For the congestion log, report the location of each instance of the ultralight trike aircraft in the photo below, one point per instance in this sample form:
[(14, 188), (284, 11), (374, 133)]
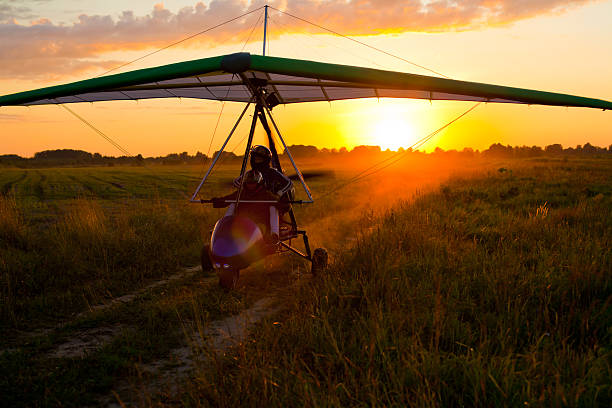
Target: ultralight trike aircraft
[(265, 82)]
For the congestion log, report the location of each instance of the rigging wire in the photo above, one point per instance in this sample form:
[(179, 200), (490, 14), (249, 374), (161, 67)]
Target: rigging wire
[(119, 147), (238, 144), (360, 42), (226, 95), (312, 37), (215, 130), (219, 117), (115, 144), (111, 141), (233, 150), (180, 41), (98, 131), (425, 139), (397, 156), (354, 179), (251, 33), (216, 125)]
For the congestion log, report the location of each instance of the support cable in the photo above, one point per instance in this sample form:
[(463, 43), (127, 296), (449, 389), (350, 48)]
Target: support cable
[(98, 131), (111, 141), (397, 156), (226, 95), (180, 41), (239, 143), (295, 167), (330, 44), (210, 168), (115, 144), (215, 129), (245, 159), (219, 117), (251, 33), (360, 42)]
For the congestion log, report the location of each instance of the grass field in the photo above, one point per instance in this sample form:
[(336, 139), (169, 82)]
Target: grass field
[(493, 288), (493, 291)]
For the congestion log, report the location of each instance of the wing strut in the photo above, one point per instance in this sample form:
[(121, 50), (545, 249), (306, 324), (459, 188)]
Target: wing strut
[(264, 122), (257, 114), (247, 152), (261, 109), (295, 167), (259, 92), (193, 197)]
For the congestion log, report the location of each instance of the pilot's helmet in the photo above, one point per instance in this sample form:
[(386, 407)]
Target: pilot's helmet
[(260, 157), (252, 179)]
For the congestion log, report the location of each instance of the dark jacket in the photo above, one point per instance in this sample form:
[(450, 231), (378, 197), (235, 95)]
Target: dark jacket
[(275, 182)]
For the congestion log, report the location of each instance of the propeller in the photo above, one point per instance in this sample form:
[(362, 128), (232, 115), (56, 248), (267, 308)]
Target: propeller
[(313, 174)]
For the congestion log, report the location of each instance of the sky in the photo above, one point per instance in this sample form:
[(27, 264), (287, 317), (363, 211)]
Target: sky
[(552, 45)]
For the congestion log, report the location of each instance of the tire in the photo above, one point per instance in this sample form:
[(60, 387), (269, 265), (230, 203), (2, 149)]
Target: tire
[(207, 266), (319, 261), (228, 278)]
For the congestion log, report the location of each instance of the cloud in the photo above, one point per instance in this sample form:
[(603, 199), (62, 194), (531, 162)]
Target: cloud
[(43, 46), (8, 13)]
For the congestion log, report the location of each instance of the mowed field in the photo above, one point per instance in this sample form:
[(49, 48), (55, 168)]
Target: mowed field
[(103, 183), (463, 282)]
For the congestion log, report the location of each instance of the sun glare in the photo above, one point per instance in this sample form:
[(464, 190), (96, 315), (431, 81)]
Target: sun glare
[(392, 133)]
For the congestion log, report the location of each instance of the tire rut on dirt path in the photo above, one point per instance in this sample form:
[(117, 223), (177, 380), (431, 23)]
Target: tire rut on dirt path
[(167, 374), (131, 296), (202, 343), (217, 337), (95, 338), (7, 187), (86, 341)]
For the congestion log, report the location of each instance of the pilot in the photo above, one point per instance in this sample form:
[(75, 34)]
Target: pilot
[(265, 215), (274, 181)]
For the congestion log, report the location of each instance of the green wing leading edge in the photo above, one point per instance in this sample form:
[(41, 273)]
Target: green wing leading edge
[(284, 81)]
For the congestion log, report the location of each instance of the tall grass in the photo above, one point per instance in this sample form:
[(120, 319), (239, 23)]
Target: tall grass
[(12, 231), (88, 253), (11, 220), (492, 290), (60, 255), (495, 291)]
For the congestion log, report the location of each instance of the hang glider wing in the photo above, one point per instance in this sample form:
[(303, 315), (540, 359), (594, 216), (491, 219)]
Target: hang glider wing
[(231, 78)]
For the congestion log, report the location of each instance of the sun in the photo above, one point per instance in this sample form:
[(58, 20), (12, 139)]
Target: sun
[(392, 133)]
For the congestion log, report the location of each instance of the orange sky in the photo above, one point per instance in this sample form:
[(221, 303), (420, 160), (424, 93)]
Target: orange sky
[(549, 49)]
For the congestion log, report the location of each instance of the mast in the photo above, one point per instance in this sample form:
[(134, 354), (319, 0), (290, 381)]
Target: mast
[(265, 28)]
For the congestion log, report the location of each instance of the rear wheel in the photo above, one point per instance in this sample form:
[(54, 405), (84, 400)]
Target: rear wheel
[(228, 278), (319, 261), (205, 259)]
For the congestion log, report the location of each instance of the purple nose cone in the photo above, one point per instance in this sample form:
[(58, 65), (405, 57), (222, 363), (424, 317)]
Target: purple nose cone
[(234, 237)]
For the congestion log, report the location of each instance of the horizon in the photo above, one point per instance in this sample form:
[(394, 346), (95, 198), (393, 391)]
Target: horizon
[(325, 150), (554, 47)]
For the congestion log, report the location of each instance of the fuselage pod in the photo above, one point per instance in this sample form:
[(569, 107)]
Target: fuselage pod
[(236, 242)]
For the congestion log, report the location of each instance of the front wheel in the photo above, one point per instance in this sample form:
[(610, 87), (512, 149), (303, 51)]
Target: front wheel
[(228, 278), (319, 261), (205, 259)]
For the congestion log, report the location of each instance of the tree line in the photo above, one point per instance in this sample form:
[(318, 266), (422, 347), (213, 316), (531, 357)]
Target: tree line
[(71, 157)]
